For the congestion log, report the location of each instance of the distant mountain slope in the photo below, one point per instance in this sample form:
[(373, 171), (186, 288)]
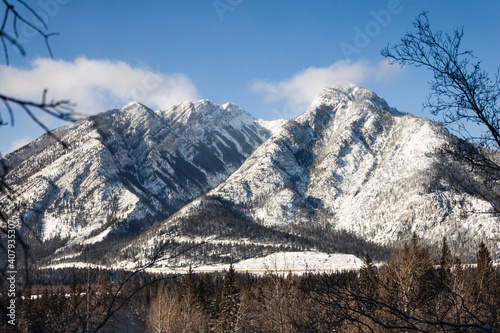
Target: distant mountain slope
[(349, 164), (126, 168)]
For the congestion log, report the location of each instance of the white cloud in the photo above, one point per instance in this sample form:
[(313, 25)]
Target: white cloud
[(16, 144), (298, 91), (96, 85)]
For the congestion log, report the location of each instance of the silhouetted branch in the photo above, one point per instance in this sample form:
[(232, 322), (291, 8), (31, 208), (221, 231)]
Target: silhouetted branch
[(15, 16), (465, 96), (113, 307), (9, 33), (460, 89)]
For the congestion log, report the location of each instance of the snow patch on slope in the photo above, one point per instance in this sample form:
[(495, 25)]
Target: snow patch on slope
[(274, 126)]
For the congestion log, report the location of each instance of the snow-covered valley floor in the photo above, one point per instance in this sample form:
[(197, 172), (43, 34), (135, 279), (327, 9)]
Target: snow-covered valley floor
[(282, 262)]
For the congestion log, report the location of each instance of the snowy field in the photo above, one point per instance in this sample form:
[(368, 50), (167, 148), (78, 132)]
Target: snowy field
[(284, 262)]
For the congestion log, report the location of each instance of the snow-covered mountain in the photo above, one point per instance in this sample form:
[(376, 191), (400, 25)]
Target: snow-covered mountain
[(349, 175), (361, 166), (350, 164), (126, 168)]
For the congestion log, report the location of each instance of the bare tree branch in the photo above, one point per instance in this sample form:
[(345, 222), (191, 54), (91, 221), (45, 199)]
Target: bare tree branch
[(113, 307), (465, 96), (15, 13), (460, 89)]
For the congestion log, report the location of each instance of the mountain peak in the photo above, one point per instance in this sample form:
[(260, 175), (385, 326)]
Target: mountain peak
[(349, 93), (350, 164), (344, 101), (206, 112), (230, 107), (350, 90), (133, 105), (135, 108)]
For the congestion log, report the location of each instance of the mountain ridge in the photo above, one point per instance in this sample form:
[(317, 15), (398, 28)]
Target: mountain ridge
[(126, 166), (351, 174), (351, 165)]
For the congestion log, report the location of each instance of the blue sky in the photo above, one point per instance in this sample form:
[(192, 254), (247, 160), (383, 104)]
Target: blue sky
[(269, 57)]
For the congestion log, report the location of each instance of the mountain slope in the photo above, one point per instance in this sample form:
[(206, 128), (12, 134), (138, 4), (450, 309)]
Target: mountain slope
[(349, 166), (124, 169), (361, 166)]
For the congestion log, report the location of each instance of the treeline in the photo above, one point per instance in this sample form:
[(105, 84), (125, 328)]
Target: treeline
[(225, 225), (417, 289), (217, 219)]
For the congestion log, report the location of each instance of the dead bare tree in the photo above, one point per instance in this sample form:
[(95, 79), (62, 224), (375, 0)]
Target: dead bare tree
[(121, 296), (410, 296), (466, 97)]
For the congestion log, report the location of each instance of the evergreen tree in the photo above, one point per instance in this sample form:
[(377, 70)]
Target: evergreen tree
[(445, 264), (27, 311), (368, 278), (229, 302), (368, 283), (189, 285), (42, 312), (484, 270), (106, 288), (205, 291)]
